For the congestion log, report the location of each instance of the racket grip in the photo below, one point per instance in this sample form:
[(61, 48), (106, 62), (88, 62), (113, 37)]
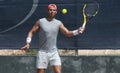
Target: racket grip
[(83, 25)]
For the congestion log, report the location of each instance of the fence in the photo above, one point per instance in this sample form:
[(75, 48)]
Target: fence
[(17, 18)]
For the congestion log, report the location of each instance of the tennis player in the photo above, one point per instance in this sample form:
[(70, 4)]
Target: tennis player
[(48, 30)]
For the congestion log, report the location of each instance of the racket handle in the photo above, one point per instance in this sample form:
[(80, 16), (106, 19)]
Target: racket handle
[(83, 25)]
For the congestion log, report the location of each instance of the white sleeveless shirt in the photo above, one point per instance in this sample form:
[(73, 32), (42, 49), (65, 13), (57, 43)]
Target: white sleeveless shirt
[(48, 34)]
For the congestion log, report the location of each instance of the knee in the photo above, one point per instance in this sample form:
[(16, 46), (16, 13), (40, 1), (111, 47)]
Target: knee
[(58, 71), (40, 70)]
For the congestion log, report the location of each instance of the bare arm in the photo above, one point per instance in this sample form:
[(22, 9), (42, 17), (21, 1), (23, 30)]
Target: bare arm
[(34, 29), (30, 35), (71, 33)]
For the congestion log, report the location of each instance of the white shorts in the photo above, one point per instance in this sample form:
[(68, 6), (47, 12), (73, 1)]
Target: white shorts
[(44, 58)]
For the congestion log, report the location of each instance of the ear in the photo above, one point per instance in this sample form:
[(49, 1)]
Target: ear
[(56, 12)]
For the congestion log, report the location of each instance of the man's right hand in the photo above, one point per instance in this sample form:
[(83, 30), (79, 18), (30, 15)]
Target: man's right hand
[(25, 47)]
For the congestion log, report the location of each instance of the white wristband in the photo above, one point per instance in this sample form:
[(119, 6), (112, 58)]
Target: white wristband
[(28, 40), (75, 32)]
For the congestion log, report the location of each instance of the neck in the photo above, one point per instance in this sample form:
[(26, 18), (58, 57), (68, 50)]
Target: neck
[(50, 18)]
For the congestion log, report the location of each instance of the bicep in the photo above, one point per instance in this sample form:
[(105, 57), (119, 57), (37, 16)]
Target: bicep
[(65, 31), (36, 27)]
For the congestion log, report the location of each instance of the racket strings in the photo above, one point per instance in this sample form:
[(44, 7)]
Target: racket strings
[(91, 9)]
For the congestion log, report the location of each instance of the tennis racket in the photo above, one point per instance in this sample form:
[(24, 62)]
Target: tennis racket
[(90, 9)]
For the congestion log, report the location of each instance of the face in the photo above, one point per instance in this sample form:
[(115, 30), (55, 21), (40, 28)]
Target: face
[(52, 12)]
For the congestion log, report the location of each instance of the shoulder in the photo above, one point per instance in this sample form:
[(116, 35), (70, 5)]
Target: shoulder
[(39, 21), (42, 19), (58, 21)]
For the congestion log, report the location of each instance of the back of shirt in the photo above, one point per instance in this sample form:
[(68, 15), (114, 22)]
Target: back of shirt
[(48, 34)]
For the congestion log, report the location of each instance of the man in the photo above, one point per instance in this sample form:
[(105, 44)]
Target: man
[(48, 31)]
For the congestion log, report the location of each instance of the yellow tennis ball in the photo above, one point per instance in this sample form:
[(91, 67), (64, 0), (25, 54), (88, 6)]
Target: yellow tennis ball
[(64, 11)]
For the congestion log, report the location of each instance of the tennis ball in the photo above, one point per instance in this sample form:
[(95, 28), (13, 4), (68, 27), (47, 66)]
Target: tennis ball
[(64, 11)]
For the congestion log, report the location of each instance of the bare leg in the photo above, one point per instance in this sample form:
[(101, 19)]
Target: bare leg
[(40, 70), (57, 69)]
